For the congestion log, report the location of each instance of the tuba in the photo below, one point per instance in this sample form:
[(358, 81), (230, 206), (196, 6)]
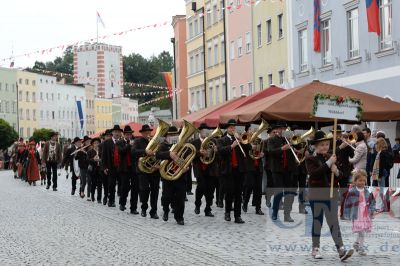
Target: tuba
[(258, 142), (186, 152), (149, 164), (209, 146)]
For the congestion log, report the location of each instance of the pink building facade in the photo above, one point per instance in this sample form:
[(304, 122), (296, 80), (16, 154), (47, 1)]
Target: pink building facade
[(180, 81), (239, 51)]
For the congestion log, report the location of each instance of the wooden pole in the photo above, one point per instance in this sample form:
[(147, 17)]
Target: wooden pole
[(333, 152)]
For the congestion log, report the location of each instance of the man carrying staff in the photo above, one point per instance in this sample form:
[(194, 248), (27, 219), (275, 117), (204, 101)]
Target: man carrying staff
[(233, 180), (282, 163), (205, 182), (149, 184), (51, 159), (111, 161)]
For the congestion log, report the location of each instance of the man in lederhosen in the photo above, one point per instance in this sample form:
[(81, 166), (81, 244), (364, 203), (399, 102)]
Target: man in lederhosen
[(149, 184), (173, 192), (70, 157), (283, 164), (232, 179), (51, 159), (205, 182), (111, 161)]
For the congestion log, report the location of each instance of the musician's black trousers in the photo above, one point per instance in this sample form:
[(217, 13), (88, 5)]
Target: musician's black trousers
[(253, 183), (124, 187), (134, 187), (284, 186), (233, 192), (96, 183), (205, 187), (149, 185), (174, 193), (112, 180)]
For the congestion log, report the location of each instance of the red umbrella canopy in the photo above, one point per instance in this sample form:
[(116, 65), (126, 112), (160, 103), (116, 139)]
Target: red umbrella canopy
[(297, 104), (212, 119)]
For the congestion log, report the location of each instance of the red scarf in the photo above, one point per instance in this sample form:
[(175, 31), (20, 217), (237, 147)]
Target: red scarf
[(285, 160), (234, 159), (128, 159), (116, 156)]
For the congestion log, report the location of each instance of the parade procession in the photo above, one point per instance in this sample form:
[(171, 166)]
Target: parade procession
[(254, 143)]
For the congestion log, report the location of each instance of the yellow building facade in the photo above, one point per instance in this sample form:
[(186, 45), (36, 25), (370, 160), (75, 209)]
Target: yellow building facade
[(102, 114), (27, 103), (270, 42)]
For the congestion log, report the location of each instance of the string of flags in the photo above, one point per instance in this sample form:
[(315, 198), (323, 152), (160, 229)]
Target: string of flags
[(103, 37), (158, 99)]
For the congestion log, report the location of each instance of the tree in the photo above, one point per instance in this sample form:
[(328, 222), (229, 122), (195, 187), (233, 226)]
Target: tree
[(42, 134), (7, 134)]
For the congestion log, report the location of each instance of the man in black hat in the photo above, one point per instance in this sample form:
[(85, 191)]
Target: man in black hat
[(269, 192), (173, 192), (94, 169), (112, 162), (70, 157), (283, 165), (126, 173), (104, 178), (232, 179), (51, 159), (149, 184), (83, 162), (205, 182)]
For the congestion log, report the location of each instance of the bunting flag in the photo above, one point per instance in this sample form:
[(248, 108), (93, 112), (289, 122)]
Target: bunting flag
[(100, 20), (317, 26), (168, 80), (373, 16)]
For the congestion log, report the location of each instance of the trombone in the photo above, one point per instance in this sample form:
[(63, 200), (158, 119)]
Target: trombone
[(351, 140), (296, 140), (240, 146)]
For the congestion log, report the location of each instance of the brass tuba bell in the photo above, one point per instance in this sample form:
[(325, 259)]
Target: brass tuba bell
[(186, 152), (208, 145), (258, 142)]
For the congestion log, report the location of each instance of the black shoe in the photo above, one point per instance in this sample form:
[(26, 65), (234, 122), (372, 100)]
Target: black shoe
[(172, 210), (268, 203), (135, 212), (288, 219), (186, 199), (180, 222), (209, 214), (227, 217), (154, 216), (197, 210), (190, 193), (67, 176), (165, 216), (259, 212), (54, 189), (253, 204), (144, 214), (111, 204), (122, 207), (73, 192), (99, 201), (244, 207), (239, 220), (274, 217), (47, 187), (345, 254), (104, 201)]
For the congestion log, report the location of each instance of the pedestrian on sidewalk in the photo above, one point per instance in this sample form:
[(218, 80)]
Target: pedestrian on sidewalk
[(360, 207)]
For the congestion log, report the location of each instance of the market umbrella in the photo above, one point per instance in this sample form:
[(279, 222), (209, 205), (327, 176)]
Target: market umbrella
[(212, 118), (297, 104)]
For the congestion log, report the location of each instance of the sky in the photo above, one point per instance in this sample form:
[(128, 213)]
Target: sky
[(27, 26)]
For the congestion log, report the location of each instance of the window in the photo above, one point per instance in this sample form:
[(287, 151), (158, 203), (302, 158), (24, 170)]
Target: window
[(240, 44), (47, 96), (269, 31), (34, 97), (222, 48), (352, 34), (190, 30), (41, 96), (261, 82), (280, 26), (270, 79), (386, 23), (202, 60), (250, 85), (13, 105), (28, 132), (223, 89), (216, 52), (87, 74), (196, 27), (209, 56), (326, 42), (208, 11), (232, 50), (281, 77), (210, 93), (233, 92), (241, 90), (53, 115), (198, 103), (27, 114), (21, 113), (20, 96), (248, 42), (41, 114), (197, 63), (34, 114), (191, 65), (21, 131), (303, 54), (6, 89), (217, 92), (259, 36), (47, 114), (20, 81), (33, 82), (7, 107), (215, 12), (26, 81), (13, 87), (52, 96), (201, 25), (27, 96), (192, 99)]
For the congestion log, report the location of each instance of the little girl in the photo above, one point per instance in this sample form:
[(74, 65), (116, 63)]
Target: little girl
[(359, 207)]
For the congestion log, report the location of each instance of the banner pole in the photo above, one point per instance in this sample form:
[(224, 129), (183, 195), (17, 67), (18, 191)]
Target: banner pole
[(333, 152)]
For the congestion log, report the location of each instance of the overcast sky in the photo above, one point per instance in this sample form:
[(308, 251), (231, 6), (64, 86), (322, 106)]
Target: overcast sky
[(28, 26)]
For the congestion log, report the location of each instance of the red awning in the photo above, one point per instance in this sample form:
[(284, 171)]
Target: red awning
[(212, 118)]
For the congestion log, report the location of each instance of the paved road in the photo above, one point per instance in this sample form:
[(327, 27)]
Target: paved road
[(42, 227)]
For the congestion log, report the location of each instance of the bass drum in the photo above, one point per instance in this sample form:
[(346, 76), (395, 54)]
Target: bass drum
[(77, 170)]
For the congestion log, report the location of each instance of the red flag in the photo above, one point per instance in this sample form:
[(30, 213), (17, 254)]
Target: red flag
[(373, 16), (168, 79), (317, 26)]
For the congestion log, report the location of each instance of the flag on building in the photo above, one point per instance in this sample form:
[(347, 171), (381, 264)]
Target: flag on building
[(317, 26), (373, 16), (100, 20), (168, 79), (12, 64)]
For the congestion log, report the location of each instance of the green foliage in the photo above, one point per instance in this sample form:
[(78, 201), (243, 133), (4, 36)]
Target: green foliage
[(42, 134), (7, 134)]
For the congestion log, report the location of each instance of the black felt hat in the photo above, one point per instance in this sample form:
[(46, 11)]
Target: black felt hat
[(279, 124), (231, 122), (203, 126), (117, 127), (145, 128), (320, 136), (128, 129), (95, 139)]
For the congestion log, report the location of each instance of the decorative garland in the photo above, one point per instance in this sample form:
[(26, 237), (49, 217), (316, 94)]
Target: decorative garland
[(339, 100)]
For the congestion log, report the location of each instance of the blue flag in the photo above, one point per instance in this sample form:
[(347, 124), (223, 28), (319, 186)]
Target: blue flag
[(80, 113)]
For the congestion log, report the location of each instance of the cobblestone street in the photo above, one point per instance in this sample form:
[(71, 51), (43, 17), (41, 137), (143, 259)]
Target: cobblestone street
[(42, 227)]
